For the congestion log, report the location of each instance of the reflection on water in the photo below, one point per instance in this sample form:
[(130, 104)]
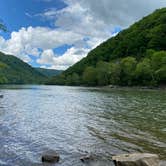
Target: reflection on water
[(77, 120)]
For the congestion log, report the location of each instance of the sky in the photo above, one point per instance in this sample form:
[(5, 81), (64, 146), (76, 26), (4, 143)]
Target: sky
[(55, 34)]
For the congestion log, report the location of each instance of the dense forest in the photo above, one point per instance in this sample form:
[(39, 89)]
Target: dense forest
[(136, 56), (15, 71), (49, 72)]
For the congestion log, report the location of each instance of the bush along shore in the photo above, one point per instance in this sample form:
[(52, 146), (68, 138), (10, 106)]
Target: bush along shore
[(150, 71)]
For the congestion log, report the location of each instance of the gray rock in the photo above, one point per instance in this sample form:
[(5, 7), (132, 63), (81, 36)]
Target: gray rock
[(87, 158), (136, 159), (112, 86), (50, 158), (1, 96)]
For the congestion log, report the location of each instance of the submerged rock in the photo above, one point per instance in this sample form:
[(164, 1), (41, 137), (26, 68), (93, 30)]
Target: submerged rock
[(1, 96), (87, 158), (112, 86), (51, 158), (136, 159)]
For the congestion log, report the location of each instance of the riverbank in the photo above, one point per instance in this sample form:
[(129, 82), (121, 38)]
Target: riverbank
[(161, 87)]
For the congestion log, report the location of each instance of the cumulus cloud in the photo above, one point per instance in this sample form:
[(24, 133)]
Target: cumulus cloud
[(71, 56), (43, 38), (118, 12), (46, 57), (83, 24), (28, 41), (76, 18)]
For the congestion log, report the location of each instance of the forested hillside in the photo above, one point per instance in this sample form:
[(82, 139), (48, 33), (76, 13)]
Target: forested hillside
[(136, 56), (49, 72), (15, 71)]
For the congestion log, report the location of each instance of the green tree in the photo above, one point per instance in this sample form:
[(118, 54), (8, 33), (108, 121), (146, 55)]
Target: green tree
[(90, 76), (158, 37), (158, 62), (75, 79), (128, 66), (68, 80), (3, 80), (149, 53), (57, 80), (161, 75), (3, 65), (144, 72), (103, 73), (115, 72), (158, 59)]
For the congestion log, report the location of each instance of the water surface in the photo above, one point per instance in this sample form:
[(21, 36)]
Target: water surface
[(74, 121)]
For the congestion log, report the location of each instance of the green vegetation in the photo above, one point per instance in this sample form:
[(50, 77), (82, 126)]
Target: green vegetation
[(49, 72), (136, 56), (15, 71)]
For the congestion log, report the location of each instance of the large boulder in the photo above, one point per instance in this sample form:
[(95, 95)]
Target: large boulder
[(136, 159), (50, 158)]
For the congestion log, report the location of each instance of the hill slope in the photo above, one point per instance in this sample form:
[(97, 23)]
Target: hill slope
[(135, 56), (149, 33), (49, 72), (15, 71)]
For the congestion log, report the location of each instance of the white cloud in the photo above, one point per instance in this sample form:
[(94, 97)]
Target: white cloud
[(71, 56), (28, 14), (82, 24), (2, 42), (28, 41), (46, 57), (77, 19), (44, 38), (118, 12)]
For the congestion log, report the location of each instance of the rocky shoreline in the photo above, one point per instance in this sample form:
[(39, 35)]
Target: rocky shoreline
[(133, 159), (162, 87)]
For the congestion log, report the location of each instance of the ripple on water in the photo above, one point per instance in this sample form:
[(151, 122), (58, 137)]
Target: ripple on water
[(77, 120)]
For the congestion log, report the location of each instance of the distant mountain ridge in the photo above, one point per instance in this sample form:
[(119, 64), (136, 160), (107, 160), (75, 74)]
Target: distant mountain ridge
[(49, 72)]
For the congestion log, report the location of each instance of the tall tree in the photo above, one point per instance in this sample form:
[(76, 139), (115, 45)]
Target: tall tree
[(90, 76), (128, 66)]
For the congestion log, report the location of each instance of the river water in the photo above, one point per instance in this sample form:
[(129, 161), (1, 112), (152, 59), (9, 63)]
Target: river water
[(74, 121)]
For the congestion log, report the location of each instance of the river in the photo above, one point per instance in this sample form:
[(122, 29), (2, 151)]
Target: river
[(74, 121)]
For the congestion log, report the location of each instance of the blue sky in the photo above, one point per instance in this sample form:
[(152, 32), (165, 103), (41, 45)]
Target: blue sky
[(58, 33), (22, 12), (23, 15)]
